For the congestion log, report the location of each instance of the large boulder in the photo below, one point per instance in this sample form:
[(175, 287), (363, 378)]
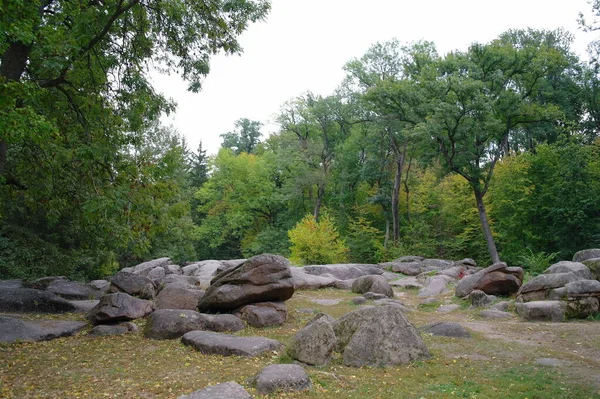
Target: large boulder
[(13, 329), (119, 307), (480, 299), (434, 286), (173, 323), (72, 289), (144, 268), (263, 314), (262, 278), (446, 329), (133, 284), (586, 254), (344, 271), (102, 330), (541, 286), (378, 337), (305, 281), (212, 343), (577, 268), (223, 323), (594, 266), (498, 279), (282, 378), (16, 283), (408, 268), (581, 297), (205, 271), (31, 300), (226, 390), (553, 311), (372, 283), (314, 343), (178, 296)]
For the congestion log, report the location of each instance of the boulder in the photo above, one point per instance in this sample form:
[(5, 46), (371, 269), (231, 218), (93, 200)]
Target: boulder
[(262, 278), (31, 300), (577, 268), (133, 284), (226, 390), (498, 279), (480, 299), (84, 306), (305, 281), (436, 264), (263, 314), (373, 296), (540, 287), (172, 269), (378, 336), (212, 343), (156, 274), (553, 311), (102, 286), (456, 272), (173, 323), (112, 329), (72, 289), (344, 271), (582, 308), (594, 266), (466, 262), (359, 300), (586, 254), (433, 286), (144, 268), (447, 308), (446, 329), (16, 283), (223, 323), (408, 268), (372, 283), (13, 329), (408, 283), (177, 296), (282, 378), (314, 343), (43, 282), (495, 314), (182, 280), (119, 307), (189, 270), (502, 306), (206, 271), (392, 302), (409, 258)]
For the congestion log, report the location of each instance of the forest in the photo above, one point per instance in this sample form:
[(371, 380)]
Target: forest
[(490, 152)]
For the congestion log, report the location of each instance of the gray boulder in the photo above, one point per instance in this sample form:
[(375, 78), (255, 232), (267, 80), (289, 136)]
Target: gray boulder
[(408, 268), (182, 280), (378, 336), (436, 264), (262, 278), (586, 254), (173, 323), (373, 296), (502, 306), (72, 290), (156, 274), (456, 272), (446, 329), (433, 286), (119, 307), (498, 279), (16, 283), (212, 343), (305, 281), (408, 283), (359, 300), (226, 390), (344, 271), (577, 268), (30, 300), (13, 329), (468, 262), (480, 299), (594, 266), (447, 308), (314, 343), (112, 329), (205, 271), (177, 296), (263, 314), (133, 284), (84, 306), (372, 283), (282, 378), (102, 286), (553, 311), (144, 268), (540, 287), (223, 323)]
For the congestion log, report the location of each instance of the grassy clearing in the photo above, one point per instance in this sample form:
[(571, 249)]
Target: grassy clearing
[(498, 362)]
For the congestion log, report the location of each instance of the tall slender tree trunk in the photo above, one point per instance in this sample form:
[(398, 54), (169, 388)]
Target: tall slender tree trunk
[(400, 157), (318, 202), (485, 225)]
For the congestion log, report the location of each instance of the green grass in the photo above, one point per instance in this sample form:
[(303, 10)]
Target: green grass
[(497, 366)]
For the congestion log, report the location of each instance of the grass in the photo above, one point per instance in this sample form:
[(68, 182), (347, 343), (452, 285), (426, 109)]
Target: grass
[(498, 362)]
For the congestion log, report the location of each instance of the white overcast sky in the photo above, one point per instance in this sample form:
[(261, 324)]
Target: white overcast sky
[(303, 45)]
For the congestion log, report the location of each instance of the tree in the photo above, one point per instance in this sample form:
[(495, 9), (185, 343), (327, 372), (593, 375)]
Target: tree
[(316, 242), (244, 138)]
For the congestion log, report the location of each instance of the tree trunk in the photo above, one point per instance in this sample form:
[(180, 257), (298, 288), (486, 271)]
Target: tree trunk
[(400, 157), (318, 202), (485, 225)]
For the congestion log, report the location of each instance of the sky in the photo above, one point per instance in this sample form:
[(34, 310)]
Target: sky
[(303, 45)]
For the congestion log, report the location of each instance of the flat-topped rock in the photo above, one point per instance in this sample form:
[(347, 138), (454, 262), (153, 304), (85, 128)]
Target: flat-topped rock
[(173, 323), (13, 329), (282, 378), (305, 281), (446, 329), (178, 296), (586, 254), (577, 268), (540, 287), (29, 300), (344, 271), (226, 390), (372, 283), (213, 343), (119, 307), (133, 284), (553, 311), (72, 290)]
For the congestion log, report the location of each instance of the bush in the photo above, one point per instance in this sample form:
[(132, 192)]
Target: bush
[(536, 262), (364, 241), (316, 242)]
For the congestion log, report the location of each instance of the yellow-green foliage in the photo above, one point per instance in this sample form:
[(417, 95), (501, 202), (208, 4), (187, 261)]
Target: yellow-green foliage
[(316, 242)]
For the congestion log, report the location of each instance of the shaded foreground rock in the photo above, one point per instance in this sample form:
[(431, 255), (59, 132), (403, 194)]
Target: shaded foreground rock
[(378, 337), (119, 307), (446, 329), (226, 390), (498, 279), (283, 378), (315, 342), (372, 283), (133, 284), (212, 343), (263, 314), (31, 300), (72, 290), (178, 296), (262, 278), (173, 323), (553, 311), (13, 329)]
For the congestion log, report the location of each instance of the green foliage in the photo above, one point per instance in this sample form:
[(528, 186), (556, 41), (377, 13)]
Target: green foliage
[(244, 138), (364, 241), (536, 263), (316, 242)]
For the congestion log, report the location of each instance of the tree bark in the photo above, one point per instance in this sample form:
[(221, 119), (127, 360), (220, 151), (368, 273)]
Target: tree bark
[(318, 202), (400, 157), (485, 225)]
